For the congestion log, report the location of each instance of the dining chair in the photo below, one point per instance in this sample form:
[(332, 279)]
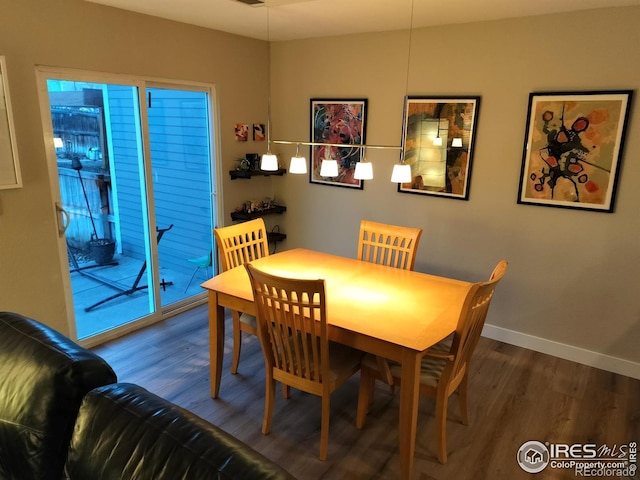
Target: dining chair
[(205, 261), (239, 244), (292, 328), (389, 245), (445, 366)]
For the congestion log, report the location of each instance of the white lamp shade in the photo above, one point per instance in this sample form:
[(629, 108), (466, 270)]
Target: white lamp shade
[(364, 171), (437, 141), (329, 168), (269, 162), (401, 173), (57, 142), (456, 142), (298, 165)]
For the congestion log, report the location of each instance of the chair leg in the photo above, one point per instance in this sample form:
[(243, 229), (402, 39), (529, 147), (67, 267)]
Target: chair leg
[(237, 342), (191, 279), (462, 395), (269, 400), (442, 401), (324, 429), (286, 391), (364, 396)]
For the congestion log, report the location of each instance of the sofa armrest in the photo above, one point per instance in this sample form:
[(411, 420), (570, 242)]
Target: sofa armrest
[(125, 431), (43, 378)]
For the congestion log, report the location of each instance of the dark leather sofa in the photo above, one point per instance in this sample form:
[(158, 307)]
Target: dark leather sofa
[(63, 416)]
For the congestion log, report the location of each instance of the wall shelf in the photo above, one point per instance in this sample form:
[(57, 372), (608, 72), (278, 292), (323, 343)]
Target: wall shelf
[(272, 237), (244, 216), (275, 236), (254, 173)]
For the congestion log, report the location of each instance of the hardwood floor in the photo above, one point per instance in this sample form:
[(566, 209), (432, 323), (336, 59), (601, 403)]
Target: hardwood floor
[(515, 395)]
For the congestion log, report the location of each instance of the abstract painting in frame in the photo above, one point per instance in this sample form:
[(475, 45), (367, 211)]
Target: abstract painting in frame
[(573, 149), (340, 122), (258, 132), (242, 132), (437, 142)]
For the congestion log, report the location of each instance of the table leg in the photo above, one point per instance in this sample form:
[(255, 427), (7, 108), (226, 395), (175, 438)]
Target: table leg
[(216, 342), (409, 398)]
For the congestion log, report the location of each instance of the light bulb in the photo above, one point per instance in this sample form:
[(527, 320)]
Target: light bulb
[(298, 165), (364, 171), (401, 173), (329, 168), (269, 162)]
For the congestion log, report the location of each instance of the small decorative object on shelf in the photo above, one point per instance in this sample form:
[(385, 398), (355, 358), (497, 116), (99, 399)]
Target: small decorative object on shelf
[(254, 161), (244, 165)]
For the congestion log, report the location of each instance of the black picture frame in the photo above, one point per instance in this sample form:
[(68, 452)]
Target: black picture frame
[(573, 149), (438, 137), (337, 121)]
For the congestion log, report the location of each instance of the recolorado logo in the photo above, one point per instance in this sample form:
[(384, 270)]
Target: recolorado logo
[(585, 459)]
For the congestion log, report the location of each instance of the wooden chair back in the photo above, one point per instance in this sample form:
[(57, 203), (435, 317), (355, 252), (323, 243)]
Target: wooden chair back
[(472, 317), (389, 245), (499, 271), (241, 243), (292, 328)]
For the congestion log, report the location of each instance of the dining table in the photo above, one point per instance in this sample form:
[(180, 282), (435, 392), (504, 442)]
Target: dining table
[(394, 313)]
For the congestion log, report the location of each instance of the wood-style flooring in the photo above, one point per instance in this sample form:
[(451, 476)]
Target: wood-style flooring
[(515, 395)]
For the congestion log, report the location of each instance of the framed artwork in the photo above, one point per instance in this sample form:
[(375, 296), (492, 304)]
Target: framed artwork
[(573, 149), (258, 132), (9, 166), (339, 122), (242, 132), (438, 134)]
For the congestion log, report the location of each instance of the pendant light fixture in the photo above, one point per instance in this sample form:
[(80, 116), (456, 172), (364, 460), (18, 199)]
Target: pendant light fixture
[(269, 161), (456, 142), (364, 168), (329, 167), (402, 171), (298, 164)]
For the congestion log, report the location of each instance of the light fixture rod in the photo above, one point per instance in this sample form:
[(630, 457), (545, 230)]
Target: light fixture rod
[(269, 123), (268, 85), (342, 145)]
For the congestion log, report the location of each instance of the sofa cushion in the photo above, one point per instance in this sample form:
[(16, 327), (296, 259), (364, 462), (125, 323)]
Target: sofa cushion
[(125, 431), (43, 377)]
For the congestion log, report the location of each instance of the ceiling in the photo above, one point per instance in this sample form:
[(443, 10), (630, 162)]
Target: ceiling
[(297, 19)]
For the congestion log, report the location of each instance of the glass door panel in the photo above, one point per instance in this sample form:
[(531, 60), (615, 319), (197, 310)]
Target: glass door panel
[(178, 125), (99, 156)]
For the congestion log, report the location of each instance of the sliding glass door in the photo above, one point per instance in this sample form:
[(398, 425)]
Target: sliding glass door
[(178, 125), (135, 176)]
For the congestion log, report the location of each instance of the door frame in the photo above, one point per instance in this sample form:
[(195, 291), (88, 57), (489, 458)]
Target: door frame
[(43, 73)]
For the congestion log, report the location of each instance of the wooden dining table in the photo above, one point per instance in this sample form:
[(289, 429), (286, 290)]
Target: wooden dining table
[(386, 311)]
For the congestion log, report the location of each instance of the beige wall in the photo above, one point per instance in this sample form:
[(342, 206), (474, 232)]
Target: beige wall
[(81, 35), (573, 275)]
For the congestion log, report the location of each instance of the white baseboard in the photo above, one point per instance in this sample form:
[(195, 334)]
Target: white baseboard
[(561, 350)]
